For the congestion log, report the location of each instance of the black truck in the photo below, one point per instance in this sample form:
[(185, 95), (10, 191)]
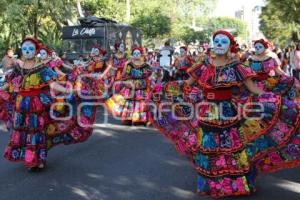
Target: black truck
[(93, 31)]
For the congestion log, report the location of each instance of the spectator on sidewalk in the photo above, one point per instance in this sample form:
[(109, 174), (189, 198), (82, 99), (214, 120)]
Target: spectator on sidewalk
[(8, 60), (295, 61)]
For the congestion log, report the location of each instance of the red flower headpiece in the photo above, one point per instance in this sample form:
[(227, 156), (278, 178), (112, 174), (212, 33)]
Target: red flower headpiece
[(101, 51), (184, 47), (38, 45), (137, 48), (264, 42), (233, 43), (49, 51)]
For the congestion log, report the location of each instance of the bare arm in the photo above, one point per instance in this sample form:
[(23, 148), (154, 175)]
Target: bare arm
[(252, 87), (279, 71), (124, 71), (67, 66), (5, 86), (59, 71), (57, 87), (190, 81), (106, 71)]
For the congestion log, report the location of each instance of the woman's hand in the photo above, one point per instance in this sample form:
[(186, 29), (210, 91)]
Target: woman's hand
[(252, 87), (279, 71), (190, 81), (63, 89)]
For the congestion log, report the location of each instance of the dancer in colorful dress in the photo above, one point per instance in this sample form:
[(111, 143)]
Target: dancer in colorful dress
[(267, 66), (272, 78), (129, 102), (99, 72), (97, 62), (182, 63), (225, 124), (44, 113), (46, 55), (119, 60), (201, 55)]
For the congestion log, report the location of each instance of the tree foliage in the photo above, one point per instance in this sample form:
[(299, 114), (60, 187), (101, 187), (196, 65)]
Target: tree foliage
[(34, 17), (207, 26), (45, 18), (154, 24), (280, 21), (288, 10), (237, 26), (106, 8)]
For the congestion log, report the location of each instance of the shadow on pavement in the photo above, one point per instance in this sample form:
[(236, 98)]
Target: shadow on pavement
[(122, 163)]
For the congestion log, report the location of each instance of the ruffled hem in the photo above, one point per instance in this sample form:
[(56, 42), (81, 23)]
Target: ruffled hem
[(214, 165), (34, 128), (133, 109), (221, 187), (218, 151)]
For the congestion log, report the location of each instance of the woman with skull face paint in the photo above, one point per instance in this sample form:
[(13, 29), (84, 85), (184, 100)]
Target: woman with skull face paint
[(41, 117), (217, 123), (119, 60), (270, 77), (129, 102), (50, 58), (44, 55), (97, 63), (99, 75), (182, 63)]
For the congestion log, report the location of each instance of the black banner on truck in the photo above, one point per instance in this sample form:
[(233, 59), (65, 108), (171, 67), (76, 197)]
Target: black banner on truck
[(74, 32)]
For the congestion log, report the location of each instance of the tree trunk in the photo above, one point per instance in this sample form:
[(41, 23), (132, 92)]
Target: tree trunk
[(35, 26), (36, 21), (79, 8), (194, 18), (128, 10)]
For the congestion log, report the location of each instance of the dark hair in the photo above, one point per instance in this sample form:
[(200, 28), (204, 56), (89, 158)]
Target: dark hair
[(167, 43), (19, 52), (9, 49), (297, 46)]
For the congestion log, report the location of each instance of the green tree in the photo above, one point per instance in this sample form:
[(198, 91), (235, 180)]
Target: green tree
[(31, 17), (237, 26), (273, 28), (207, 26), (189, 35), (288, 10), (45, 18), (280, 21), (153, 25), (106, 8)]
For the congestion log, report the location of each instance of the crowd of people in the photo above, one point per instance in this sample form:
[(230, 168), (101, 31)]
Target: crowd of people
[(231, 111)]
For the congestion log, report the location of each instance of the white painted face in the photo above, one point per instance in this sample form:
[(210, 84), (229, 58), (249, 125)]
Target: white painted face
[(122, 47), (221, 44), (259, 48), (95, 52), (43, 54), (182, 51), (28, 50), (136, 54)]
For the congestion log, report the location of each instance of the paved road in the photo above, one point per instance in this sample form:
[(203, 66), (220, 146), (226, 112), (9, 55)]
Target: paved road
[(122, 163)]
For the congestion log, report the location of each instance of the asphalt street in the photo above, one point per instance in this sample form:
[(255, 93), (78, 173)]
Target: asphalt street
[(122, 163)]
